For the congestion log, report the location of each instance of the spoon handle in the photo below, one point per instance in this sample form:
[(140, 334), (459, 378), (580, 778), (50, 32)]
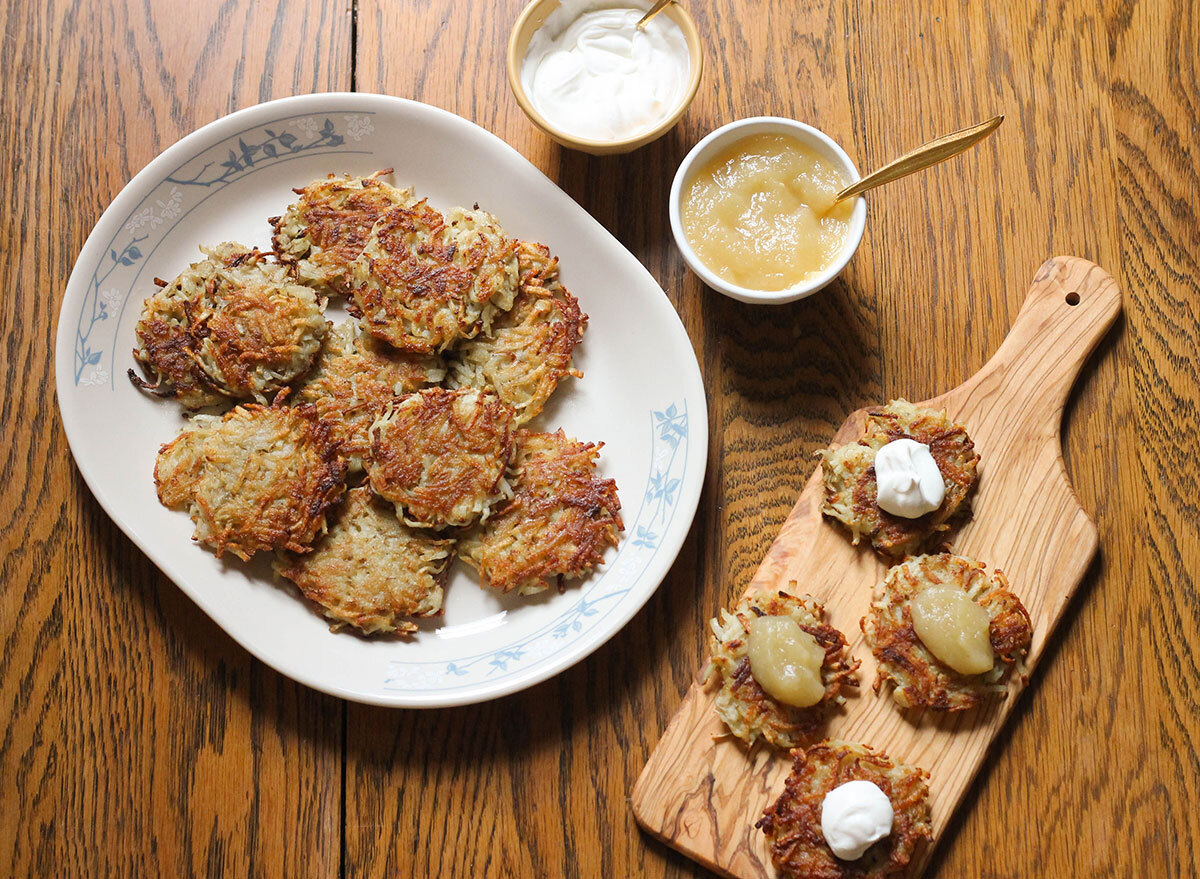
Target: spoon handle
[(653, 11), (923, 156)]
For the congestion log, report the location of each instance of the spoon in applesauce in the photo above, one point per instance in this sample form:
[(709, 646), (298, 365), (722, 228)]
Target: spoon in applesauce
[(923, 156)]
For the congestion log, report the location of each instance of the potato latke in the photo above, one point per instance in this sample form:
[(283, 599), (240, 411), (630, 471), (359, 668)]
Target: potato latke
[(321, 235), (793, 822), (528, 349), (747, 710), (371, 570), (440, 456), (354, 378), (231, 325), (919, 678), (259, 478), (484, 248), (422, 283), (849, 472), (560, 520)]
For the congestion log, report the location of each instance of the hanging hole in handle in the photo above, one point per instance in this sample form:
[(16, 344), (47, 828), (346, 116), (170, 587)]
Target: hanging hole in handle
[(1072, 298)]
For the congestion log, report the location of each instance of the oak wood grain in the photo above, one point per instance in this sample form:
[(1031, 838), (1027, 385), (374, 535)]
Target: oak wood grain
[(142, 741), (138, 739), (702, 790), (1155, 106)]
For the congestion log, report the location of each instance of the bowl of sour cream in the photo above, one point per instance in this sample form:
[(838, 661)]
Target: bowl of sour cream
[(585, 75)]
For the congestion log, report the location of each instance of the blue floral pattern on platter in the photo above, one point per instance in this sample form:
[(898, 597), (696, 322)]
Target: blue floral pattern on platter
[(600, 595), (181, 192)]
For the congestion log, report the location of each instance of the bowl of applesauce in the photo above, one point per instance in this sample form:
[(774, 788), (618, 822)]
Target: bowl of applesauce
[(752, 210)]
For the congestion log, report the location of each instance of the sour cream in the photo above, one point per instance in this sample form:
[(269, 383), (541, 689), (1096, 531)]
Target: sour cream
[(908, 481), (590, 72), (855, 816)]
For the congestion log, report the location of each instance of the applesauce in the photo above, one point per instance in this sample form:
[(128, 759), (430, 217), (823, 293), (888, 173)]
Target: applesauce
[(954, 628), (786, 660), (760, 214)]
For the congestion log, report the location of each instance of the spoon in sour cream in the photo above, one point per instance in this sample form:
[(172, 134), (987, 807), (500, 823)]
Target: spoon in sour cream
[(654, 10)]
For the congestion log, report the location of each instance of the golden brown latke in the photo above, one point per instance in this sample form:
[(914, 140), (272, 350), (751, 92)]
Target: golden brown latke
[(371, 570), (528, 350), (355, 377), (919, 678), (793, 822), (849, 471), (561, 518), (231, 325), (422, 283), (320, 236), (745, 707), (483, 247), (440, 455), (258, 478)]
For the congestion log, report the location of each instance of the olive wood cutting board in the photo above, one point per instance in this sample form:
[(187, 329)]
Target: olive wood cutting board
[(701, 791)]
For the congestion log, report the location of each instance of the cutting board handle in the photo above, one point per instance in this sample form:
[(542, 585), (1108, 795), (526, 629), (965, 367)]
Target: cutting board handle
[(1070, 306)]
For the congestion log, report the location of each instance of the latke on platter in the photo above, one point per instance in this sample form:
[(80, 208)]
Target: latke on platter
[(424, 281), (259, 478), (746, 708), (527, 351), (793, 822), (440, 456), (483, 247), (230, 326), (560, 520), (919, 678), (370, 570), (849, 473), (353, 380), (321, 235)]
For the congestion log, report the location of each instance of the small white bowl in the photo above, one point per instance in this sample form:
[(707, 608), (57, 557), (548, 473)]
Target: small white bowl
[(735, 131)]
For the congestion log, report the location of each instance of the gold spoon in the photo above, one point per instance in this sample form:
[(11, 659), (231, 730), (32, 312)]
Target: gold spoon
[(922, 157), (653, 11)]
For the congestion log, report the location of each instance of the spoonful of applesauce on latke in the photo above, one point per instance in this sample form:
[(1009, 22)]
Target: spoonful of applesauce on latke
[(923, 156)]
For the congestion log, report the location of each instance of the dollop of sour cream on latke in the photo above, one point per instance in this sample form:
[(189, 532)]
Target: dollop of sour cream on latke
[(855, 816), (907, 479)]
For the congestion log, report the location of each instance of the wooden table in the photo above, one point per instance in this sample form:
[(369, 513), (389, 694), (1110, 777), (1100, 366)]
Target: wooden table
[(139, 740)]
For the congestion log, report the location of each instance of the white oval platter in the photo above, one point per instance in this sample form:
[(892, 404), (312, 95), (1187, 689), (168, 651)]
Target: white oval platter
[(641, 394)]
